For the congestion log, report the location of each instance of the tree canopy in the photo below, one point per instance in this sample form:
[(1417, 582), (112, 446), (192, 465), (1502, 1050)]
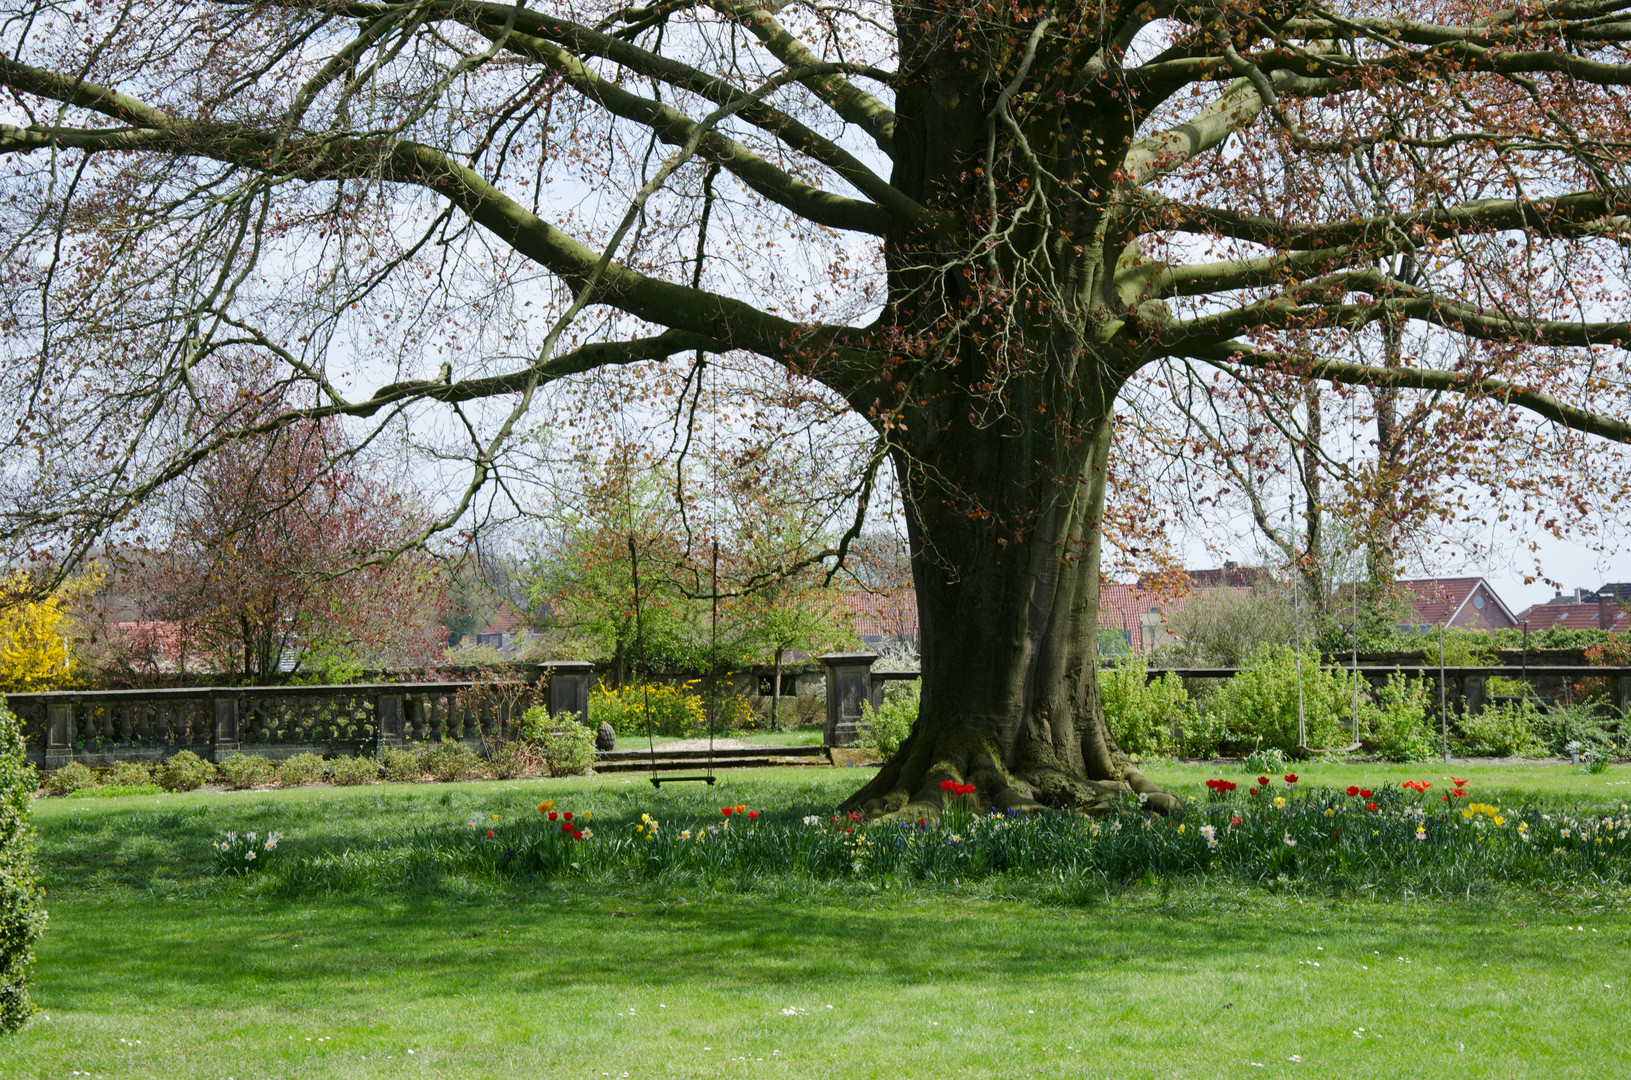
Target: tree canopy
[(980, 228)]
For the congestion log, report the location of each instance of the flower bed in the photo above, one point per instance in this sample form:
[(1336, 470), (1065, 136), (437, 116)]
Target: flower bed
[(1412, 839)]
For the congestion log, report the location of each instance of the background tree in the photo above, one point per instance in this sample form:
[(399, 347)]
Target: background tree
[(971, 225), (39, 636), (272, 558)]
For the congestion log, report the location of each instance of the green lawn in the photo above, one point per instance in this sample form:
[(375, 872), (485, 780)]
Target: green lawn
[(592, 980)]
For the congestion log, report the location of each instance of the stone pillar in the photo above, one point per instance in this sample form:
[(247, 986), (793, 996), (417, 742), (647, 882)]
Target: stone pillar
[(226, 727), (387, 722), (849, 683), (59, 734), (1473, 688), (1622, 696), (569, 688)]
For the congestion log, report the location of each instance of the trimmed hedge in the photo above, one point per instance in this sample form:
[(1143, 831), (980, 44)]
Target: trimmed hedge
[(22, 919)]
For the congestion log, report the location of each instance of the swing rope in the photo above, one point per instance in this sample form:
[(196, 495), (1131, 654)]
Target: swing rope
[(645, 680)]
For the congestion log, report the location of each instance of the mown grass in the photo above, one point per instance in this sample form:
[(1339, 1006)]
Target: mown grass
[(499, 975)]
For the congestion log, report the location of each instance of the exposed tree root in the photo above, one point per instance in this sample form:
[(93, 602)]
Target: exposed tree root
[(910, 785)]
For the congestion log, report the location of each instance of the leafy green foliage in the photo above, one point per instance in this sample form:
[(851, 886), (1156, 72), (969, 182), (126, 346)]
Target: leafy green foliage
[(350, 771), (448, 761), (300, 769), (22, 919), (405, 764), (129, 774), (72, 777), (887, 728), (247, 770), (1505, 730), (1395, 724), (1149, 718), (1259, 705), (185, 771), (568, 747)]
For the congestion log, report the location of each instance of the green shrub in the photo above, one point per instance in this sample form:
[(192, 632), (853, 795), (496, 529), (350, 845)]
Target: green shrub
[(185, 771), (300, 769), (674, 710), (1259, 705), (567, 746), (1396, 727), (1506, 730), (21, 917), (403, 765), (72, 777), (1150, 718), (350, 771), (887, 728), (247, 770), (449, 761), (1585, 722), (514, 758), (129, 774)]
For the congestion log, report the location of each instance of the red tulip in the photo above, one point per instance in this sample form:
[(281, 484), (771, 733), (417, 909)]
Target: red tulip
[(552, 817), (1459, 783), (489, 832), (1291, 778), (1252, 790), (948, 785), (567, 815), (1353, 790), (577, 835), (1370, 806), (752, 814), (725, 810), (1364, 793), (566, 826), (1262, 781), (1234, 821)]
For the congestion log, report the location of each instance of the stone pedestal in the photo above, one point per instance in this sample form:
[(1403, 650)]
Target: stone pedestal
[(849, 683), (569, 688), (225, 742), (59, 735)]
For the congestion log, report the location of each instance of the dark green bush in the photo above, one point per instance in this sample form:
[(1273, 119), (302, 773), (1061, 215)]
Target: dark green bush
[(1396, 727), (887, 728), (449, 760), (349, 771), (567, 746), (21, 917), (1506, 730), (185, 771), (300, 769), (403, 765), (72, 777), (247, 771), (1259, 705)]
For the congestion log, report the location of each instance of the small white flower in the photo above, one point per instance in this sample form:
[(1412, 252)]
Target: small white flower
[(249, 856)]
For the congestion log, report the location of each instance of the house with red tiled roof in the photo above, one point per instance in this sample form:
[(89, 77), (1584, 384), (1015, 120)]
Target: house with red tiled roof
[(1467, 603), (1139, 612), (884, 618), (1582, 610)]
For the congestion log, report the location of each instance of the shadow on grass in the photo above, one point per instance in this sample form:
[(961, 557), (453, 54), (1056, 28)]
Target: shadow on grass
[(205, 955)]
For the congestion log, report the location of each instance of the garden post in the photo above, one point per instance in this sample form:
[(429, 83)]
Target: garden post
[(59, 734), (569, 688), (387, 722), (849, 683), (1622, 698), (225, 741)]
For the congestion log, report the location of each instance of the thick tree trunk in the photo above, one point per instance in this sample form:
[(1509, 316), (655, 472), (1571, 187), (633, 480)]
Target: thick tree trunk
[(999, 414), (1009, 618)]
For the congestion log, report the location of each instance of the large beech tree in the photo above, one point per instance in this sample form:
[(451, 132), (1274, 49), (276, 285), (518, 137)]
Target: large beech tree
[(973, 223)]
